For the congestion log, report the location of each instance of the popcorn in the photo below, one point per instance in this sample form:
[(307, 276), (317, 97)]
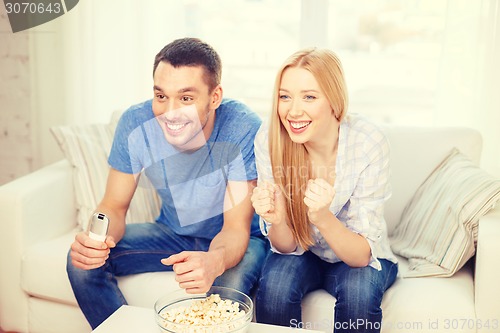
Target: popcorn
[(221, 315)]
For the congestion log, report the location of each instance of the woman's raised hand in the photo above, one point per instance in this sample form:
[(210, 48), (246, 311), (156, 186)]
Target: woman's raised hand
[(269, 203), (318, 197)]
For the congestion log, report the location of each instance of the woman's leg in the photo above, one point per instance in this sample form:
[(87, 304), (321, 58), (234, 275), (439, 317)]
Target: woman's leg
[(359, 293), (140, 250), (284, 282)]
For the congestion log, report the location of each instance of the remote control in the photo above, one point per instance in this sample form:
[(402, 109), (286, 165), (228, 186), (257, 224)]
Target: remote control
[(98, 227)]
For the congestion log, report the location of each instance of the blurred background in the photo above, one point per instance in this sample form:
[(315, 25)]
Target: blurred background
[(407, 62)]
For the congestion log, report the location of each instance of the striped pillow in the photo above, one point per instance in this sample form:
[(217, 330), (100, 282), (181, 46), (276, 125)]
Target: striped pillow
[(438, 227), (87, 147)]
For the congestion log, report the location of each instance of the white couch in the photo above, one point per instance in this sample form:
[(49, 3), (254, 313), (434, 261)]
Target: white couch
[(37, 226)]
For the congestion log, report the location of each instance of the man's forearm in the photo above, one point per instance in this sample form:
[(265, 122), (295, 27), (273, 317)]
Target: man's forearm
[(116, 221), (230, 245)]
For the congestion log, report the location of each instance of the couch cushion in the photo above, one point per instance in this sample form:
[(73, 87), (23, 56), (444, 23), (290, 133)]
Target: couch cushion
[(415, 152), (419, 303), (409, 302), (409, 305), (44, 275), (87, 147), (45, 316), (438, 228), (43, 269)]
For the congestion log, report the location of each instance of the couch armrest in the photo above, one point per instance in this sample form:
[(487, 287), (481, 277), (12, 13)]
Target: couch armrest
[(487, 274), (34, 208), (40, 205)]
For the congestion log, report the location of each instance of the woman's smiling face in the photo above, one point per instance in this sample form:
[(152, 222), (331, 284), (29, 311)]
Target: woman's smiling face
[(303, 108)]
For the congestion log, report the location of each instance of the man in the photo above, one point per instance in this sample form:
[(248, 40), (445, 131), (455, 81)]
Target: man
[(196, 148)]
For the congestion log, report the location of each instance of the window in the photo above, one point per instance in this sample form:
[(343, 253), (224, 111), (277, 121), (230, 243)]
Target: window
[(253, 38), (414, 62), (391, 53), (390, 49)]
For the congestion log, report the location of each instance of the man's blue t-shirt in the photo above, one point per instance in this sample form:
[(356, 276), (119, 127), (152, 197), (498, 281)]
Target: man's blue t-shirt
[(191, 185)]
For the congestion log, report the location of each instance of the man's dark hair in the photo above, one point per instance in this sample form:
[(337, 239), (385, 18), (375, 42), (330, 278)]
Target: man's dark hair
[(192, 52)]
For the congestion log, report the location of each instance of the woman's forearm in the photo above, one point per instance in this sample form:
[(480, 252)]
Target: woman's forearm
[(281, 238), (350, 247)]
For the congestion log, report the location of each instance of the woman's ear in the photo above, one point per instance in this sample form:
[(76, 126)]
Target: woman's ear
[(335, 114)]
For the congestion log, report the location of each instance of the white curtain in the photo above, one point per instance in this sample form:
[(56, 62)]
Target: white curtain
[(106, 50), (109, 48), (468, 90)]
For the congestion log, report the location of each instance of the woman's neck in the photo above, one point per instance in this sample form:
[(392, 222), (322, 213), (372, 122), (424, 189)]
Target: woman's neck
[(323, 157), (325, 148)]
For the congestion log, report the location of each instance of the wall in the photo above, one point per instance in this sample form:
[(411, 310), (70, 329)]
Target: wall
[(16, 141), (31, 98)]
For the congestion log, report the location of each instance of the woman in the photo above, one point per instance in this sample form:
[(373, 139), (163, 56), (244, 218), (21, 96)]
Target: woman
[(323, 182)]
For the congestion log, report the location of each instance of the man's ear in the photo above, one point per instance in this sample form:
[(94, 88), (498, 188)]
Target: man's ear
[(216, 97)]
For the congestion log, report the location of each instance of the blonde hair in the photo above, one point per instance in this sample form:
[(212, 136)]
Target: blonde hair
[(289, 160)]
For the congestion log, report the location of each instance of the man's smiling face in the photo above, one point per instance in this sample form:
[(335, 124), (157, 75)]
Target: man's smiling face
[(183, 105)]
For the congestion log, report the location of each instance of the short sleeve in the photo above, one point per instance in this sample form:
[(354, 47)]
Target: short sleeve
[(244, 128), (129, 143)]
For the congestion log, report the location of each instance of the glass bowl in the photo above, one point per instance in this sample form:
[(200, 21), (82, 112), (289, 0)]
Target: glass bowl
[(176, 300)]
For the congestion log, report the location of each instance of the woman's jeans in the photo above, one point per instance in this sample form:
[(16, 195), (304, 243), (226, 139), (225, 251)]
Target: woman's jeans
[(287, 278), (140, 251)]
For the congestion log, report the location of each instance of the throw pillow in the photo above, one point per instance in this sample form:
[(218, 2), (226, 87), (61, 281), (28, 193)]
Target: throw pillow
[(87, 147), (438, 227)]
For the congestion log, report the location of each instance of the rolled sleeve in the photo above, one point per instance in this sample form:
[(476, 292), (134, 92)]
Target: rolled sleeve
[(366, 209), (264, 171)]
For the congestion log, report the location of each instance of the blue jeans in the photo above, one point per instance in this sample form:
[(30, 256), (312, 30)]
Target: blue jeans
[(286, 279), (140, 251)]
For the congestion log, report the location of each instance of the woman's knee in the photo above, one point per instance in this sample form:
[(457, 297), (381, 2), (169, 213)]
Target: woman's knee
[(282, 280), (273, 298), (361, 289)]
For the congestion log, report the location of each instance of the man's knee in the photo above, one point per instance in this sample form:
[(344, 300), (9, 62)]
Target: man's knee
[(70, 269)]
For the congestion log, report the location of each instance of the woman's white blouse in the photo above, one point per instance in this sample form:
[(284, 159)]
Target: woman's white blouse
[(361, 185)]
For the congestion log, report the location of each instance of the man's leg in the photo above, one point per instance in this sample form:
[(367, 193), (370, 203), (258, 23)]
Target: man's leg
[(244, 276), (140, 250), (284, 282)]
